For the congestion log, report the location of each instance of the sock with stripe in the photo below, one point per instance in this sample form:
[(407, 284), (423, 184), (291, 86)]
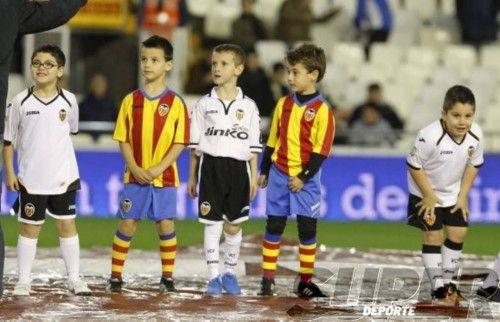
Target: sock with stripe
[(168, 248), (307, 256), (121, 245), (270, 253)]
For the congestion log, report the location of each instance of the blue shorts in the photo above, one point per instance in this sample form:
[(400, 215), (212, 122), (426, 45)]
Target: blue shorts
[(147, 201), (281, 201)]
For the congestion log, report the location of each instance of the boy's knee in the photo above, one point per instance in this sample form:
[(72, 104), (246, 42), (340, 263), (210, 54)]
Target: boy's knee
[(166, 226), (128, 227), (30, 231), (231, 229), (306, 227), (275, 225), (66, 227), (433, 237)]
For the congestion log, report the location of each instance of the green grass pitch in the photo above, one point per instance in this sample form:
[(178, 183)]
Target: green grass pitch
[(482, 238)]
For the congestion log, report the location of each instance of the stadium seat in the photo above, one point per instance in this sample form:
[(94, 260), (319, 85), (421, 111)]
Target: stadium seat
[(424, 8), (402, 97), (406, 25), (387, 57), (355, 94), (348, 55), (267, 10), (219, 20), (435, 37), (412, 76), (425, 58), (199, 8), (370, 73), (489, 56), (448, 7), (445, 77), (462, 58), (334, 83), (270, 52)]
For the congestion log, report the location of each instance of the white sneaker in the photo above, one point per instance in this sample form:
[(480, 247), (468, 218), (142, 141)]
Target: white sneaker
[(79, 287), (21, 289)]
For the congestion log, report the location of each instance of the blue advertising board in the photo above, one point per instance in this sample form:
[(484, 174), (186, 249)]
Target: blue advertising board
[(371, 188)]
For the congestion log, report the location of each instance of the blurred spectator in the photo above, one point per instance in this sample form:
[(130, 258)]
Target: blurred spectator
[(375, 97), (295, 20), (255, 84), (248, 28), (478, 20), (200, 75), (373, 20), (371, 129), (98, 105), (278, 84)]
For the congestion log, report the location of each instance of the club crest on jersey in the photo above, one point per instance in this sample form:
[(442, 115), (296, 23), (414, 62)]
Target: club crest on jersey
[(163, 109), (470, 151), (29, 210), (62, 115), (240, 114), (126, 205), (205, 208), (309, 114)]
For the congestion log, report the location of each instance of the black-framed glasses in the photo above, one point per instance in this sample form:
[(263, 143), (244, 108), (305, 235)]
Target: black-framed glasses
[(45, 65)]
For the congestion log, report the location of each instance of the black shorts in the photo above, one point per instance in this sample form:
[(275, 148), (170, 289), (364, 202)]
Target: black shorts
[(31, 209), (224, 190), (443, 216)]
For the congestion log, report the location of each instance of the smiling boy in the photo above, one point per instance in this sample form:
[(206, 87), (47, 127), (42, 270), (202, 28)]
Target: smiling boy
[(442, 166)]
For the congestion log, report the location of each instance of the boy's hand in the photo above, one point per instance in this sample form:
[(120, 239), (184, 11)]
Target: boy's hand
[(463, 205), (262, 181), (12, 182), (191, 188), (427, 205), (155, 171), (141, 175), (295, 184), (253, 188)]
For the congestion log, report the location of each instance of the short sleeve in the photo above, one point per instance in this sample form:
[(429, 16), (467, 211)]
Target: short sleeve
[(196, 124), (477, 153), (420, 152), (12, 120), (121, 131)]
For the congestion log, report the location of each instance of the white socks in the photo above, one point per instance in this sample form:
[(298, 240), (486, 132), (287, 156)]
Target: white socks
[(432, 264), (26, 250), (70, 251), (231, 251), (211, 247), (451, 257), (492, 278)]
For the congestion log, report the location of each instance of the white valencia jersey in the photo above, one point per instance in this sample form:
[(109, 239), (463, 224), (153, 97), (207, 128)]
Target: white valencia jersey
[(226, 129), (40, 132), (444, 160)]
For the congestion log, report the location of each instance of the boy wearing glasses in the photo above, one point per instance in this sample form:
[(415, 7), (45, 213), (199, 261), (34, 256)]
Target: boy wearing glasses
[(152, 129), (39, 122)]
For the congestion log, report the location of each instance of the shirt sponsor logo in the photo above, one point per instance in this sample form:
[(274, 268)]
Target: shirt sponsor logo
[(32, 113), (236, 132), (211, 112), (446, 152)]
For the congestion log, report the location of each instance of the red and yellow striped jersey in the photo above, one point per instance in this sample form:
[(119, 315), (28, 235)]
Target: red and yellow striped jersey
[(297, 131), (151, 126)]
